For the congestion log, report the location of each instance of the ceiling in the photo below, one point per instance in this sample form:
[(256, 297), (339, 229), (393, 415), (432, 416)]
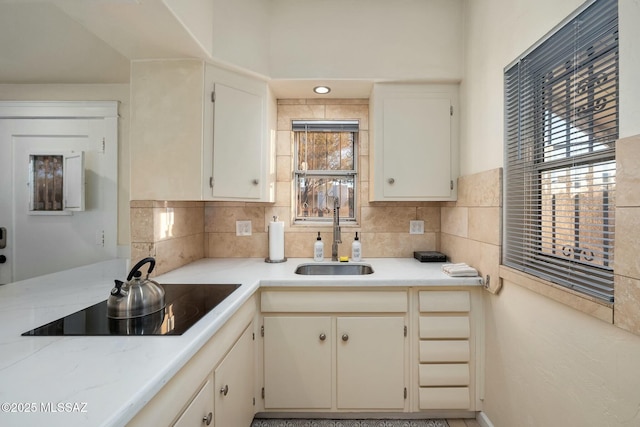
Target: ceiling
[(48, 42)]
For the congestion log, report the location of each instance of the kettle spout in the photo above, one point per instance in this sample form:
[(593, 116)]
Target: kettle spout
[(117, 291)]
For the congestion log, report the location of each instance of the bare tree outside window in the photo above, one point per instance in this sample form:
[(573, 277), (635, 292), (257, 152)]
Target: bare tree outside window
[(325, 169)]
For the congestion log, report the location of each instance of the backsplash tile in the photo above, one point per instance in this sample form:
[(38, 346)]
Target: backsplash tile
[(471, 225), (384, 227)]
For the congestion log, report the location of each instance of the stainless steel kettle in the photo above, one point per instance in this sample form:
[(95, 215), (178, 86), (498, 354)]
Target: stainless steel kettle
[(137, 297)]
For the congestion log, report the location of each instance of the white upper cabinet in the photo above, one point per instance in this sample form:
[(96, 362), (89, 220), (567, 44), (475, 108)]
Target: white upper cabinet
[(187, 147), (415, 142), (239, 160)]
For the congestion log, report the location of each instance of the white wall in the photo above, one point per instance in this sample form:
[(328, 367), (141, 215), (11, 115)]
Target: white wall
[(373, 39), (497, 31), (546, 364), (90, 92), (549, 365), (241, 34)]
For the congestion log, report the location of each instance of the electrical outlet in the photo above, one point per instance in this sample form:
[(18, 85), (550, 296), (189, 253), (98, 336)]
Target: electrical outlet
[(243, 228), (416, 227)]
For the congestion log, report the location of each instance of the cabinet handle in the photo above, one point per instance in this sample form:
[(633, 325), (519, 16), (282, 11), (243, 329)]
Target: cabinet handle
[(207, 420), (323, 336), (224, 390), (255, 182), (391, 180), (345, 337)]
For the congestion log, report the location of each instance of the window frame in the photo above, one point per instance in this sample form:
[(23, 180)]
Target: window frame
[(331, 126), (529, 103)]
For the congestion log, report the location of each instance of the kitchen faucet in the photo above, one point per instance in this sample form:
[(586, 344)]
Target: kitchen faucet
[(336, 230)]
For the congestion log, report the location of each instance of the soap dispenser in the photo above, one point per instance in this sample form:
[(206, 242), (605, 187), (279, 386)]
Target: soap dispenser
[(356, 249), (318, 249)]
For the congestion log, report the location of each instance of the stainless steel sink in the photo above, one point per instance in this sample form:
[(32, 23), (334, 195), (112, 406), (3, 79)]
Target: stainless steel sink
[(334, 269)]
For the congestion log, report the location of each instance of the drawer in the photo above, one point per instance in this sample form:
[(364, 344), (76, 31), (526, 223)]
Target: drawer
[(334, 302), (444, 301), (444, 327), (444, 398), (442, 374), (444, 351)]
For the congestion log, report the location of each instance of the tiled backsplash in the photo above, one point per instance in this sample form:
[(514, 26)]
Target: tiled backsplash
[(383, 228), (470, 228)]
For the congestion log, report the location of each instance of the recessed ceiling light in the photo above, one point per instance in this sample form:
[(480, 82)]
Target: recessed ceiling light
[(322, 90)]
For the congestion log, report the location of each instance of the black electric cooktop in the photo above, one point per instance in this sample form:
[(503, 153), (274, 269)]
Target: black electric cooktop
[(185, 305)]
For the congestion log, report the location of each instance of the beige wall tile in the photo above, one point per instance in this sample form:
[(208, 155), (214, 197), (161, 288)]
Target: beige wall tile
[(141, 224), (481, 189), (284, 143), (627, 300), (223, 219), (282, 212), (286, 113), (484, 224), (172, 222), (174, 253), (455, 221), (283, 168), (363, 168), (142, 250), (431, 217), (388, 245), (626, 259), (363, 143), (628, 171), (387, 219), (348, 112), (283, 193), (484, 257), (228, 245)]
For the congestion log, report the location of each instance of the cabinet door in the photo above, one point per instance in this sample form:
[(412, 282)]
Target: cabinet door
[(370, 362), (237, 143), (200, 410), (234, 384), (297, 362), (417, 147)]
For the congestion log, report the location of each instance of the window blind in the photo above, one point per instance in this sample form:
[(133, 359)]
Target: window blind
[(325, 125), (561, 124)]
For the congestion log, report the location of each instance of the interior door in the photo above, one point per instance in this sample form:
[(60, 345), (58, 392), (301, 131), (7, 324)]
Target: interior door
[(41, 242)]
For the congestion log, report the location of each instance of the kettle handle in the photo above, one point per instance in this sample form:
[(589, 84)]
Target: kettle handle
[(136, 267)]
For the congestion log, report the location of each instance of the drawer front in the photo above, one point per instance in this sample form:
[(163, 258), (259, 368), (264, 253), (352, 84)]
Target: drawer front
[(442, 374), (444, 398), (334, 302), (432, 327), (444, 351), (444, 301)]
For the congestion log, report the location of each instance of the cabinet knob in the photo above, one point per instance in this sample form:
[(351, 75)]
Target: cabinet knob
[(224, 390), (391, 180), (345, 337), (207, 420), (255, 182), (323, 336)]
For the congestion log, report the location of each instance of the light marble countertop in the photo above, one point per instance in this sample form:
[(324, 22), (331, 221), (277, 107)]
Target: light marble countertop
[(106, 380)]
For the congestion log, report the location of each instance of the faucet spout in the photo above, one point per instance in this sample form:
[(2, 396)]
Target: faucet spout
[(336, 230)]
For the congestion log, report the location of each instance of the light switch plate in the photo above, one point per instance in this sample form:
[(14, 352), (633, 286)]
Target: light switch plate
[(416, 227), (243, 228)]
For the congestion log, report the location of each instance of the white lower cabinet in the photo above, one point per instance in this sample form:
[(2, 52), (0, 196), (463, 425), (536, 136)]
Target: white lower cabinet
[(370, 363), (297, 356), (234, 384), (200, 410), (217, 385), (347, 352)]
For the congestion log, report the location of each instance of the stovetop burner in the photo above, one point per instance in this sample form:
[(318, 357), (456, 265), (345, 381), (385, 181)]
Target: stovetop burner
[(185, 305)]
